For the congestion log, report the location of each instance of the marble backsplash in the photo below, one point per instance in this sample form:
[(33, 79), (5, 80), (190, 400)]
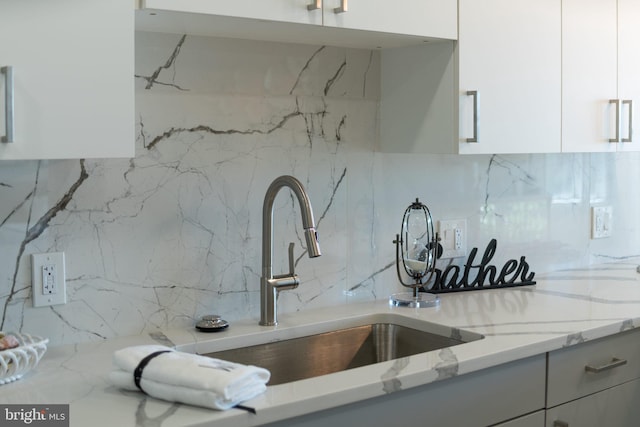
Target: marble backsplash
[(175, 233)]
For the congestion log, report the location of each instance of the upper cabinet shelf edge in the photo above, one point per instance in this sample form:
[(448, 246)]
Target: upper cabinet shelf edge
[(371, 24)]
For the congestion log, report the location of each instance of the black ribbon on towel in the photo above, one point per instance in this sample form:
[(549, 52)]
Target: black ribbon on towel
[(137, 373), (246, 408), (137, 376)]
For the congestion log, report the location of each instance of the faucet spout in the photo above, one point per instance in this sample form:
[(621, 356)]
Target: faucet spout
[(271, 285)]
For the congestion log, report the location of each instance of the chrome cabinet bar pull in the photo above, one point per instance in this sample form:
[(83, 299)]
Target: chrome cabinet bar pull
[(615, 362), (317, 4), (474, 93), (343, 7), (8, 103), (617, 104), (629, 137)]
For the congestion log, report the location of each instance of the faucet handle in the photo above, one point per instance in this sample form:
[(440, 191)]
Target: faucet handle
[(291, 261)]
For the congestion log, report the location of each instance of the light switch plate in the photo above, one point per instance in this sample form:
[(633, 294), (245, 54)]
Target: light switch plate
[(48, 279), (601, 221)]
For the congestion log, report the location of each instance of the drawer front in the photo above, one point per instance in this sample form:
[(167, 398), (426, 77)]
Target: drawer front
[(614, 407), (587, 368)]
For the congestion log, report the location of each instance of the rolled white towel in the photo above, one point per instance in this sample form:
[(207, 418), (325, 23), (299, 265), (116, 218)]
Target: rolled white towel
[(188, 378)]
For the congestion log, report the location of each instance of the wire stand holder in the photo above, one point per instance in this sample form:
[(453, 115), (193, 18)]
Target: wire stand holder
[(417, 250)]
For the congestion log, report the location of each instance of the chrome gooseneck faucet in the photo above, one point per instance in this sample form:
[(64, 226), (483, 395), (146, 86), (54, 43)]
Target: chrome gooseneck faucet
[(270, 285)]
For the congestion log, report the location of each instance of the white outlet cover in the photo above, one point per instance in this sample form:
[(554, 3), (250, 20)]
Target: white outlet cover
[(453, 238), (50, 265)]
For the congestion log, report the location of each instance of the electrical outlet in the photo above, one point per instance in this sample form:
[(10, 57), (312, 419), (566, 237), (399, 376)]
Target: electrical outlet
[(601, 221), (48, 279), (453, 238)]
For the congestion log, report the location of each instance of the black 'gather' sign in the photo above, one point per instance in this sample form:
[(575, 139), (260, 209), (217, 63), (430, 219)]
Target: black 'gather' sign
[(485, 276)]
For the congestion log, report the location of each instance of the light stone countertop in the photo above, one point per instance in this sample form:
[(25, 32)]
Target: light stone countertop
[(564, 308)]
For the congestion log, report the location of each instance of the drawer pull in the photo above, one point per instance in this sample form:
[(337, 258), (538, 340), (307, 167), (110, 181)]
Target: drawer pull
[(615, 362), (557, 423)]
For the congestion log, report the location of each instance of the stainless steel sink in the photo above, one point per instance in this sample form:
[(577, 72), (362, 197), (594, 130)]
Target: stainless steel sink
[(324, 353)]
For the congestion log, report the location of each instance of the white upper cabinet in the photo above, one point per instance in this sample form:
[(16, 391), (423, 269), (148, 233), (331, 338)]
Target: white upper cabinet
[(589, 70), (293, 11), (628, 73), (417, 99), (72, 64), (509, 60), (428, 18), (600, 69), (496, 91), (354, 23)]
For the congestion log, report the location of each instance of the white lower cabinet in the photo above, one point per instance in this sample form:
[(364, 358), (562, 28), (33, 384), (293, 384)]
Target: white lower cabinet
[(595, 383), (614, 407), (483, 398)]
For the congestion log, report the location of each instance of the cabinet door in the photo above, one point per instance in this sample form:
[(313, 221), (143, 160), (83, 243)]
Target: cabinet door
[(272, 10), (589, 75), (509, 51), (72, 63), (417, 113), (614, 407), (628, 72), (480, 398), (429, 18)]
